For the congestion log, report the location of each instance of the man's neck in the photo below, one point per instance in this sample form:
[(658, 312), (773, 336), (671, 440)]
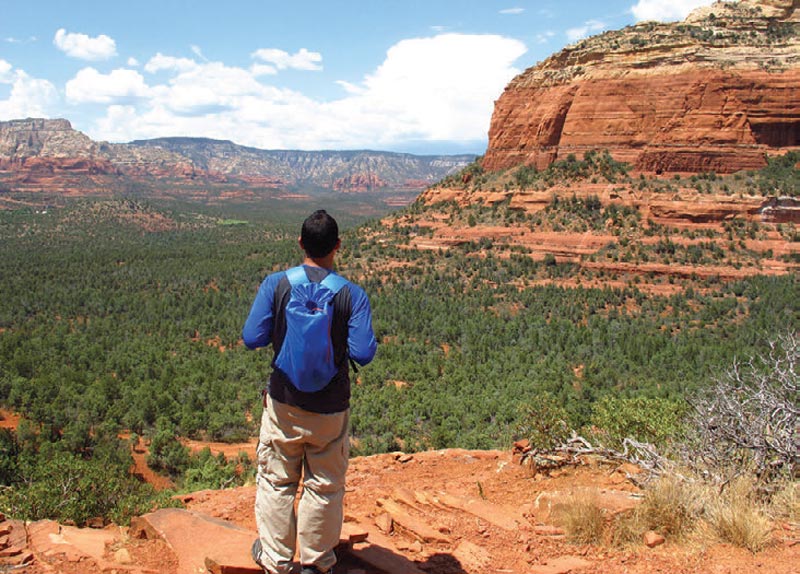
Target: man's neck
[(324, 262)]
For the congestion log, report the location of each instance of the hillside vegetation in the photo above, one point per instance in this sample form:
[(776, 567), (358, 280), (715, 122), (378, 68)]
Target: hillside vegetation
[(120, 315)]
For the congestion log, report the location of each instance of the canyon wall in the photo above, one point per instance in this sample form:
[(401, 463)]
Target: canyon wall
[(713, 93)]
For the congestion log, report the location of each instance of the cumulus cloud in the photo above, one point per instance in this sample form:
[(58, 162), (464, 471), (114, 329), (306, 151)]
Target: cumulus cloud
[(160, 62), (666, 10), (435, 88), (589, 28), (209, 88), (91, 86), (301, 60), (84, 47), (29, 97), (263, 70), (133, 62), (351, 88)]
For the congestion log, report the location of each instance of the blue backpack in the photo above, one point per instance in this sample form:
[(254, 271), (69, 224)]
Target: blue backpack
[(306, 355)]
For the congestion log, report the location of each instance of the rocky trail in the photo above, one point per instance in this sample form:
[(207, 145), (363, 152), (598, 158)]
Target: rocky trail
[(443, 512)]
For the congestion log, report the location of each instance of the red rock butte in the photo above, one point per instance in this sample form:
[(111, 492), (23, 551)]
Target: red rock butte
[(716, 92)]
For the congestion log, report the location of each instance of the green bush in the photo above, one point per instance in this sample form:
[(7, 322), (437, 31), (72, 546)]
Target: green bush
[(652, 420), (543, 422), (167, 454), (59, 485), (207, 471)]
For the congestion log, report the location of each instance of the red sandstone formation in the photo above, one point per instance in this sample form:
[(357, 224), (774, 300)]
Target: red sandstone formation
[(359, 182), (714, 93)]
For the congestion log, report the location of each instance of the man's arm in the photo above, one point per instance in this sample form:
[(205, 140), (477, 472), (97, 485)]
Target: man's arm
[(361, 339), (257, 331)]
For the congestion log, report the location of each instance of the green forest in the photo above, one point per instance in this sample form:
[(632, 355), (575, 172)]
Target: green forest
[(124, 316)]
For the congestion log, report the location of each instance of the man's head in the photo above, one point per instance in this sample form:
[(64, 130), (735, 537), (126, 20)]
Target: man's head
[(319, 235)]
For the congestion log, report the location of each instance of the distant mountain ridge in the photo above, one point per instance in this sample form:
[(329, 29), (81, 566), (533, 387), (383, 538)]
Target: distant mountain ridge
[(337, 168), (38, 151)]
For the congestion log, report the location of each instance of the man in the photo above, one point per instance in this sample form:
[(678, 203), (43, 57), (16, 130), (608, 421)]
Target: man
[(306, 432)]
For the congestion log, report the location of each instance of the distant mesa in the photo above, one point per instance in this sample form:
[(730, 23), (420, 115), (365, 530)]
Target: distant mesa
[(49, 154), (715, 92)]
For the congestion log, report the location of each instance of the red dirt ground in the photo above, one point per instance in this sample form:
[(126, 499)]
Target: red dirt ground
[(466, 499)]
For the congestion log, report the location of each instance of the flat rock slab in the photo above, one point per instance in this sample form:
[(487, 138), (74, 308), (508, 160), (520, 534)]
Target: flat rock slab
[(15, 530), (498, 515), (204, 543), (380, 552), (200, 542), (415, 526), (50, 539)]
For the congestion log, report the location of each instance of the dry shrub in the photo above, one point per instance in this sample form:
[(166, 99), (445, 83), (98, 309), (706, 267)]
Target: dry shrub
[(737, 518), (746, 419), (785, 501), (627, 528), (671, 506), (581, 518)]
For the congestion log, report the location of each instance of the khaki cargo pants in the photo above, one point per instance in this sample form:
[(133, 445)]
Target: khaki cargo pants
[(294, 442)]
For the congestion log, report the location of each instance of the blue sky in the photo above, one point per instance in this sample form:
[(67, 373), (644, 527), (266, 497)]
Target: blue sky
[(418, 76)]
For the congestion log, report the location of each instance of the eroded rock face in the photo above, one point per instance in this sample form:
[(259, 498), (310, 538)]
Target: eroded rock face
[(39, 154), (714, 93)]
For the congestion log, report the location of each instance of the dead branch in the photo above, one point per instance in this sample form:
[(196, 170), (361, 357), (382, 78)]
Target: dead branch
[(643, 455)]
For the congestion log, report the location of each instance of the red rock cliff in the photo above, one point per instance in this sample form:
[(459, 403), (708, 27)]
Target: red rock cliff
[(713, 93)]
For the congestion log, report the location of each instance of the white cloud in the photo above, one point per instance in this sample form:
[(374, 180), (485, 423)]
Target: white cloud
[(29, 97), (197, 51), (512, 11), (83, 47), (160, 62), (666, 10), (263, 70), (5, 72), (28, 40), (589, 28), (435, 88), (545, 37), (351, 88), (208, 88), (133, 62), (91, 86), (302, 60)]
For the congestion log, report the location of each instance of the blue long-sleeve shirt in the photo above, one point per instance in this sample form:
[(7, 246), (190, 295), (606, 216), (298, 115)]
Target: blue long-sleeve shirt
[(352, 334)]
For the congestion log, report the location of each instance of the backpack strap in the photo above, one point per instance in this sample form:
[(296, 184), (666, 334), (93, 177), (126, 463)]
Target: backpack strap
[(334, 282), (296, 276)]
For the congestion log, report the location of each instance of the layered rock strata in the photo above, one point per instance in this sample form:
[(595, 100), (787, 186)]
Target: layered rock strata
[(713, 93), (50, 154)]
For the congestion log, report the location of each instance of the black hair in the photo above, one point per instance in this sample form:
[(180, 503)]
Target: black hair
[(319, 234)]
